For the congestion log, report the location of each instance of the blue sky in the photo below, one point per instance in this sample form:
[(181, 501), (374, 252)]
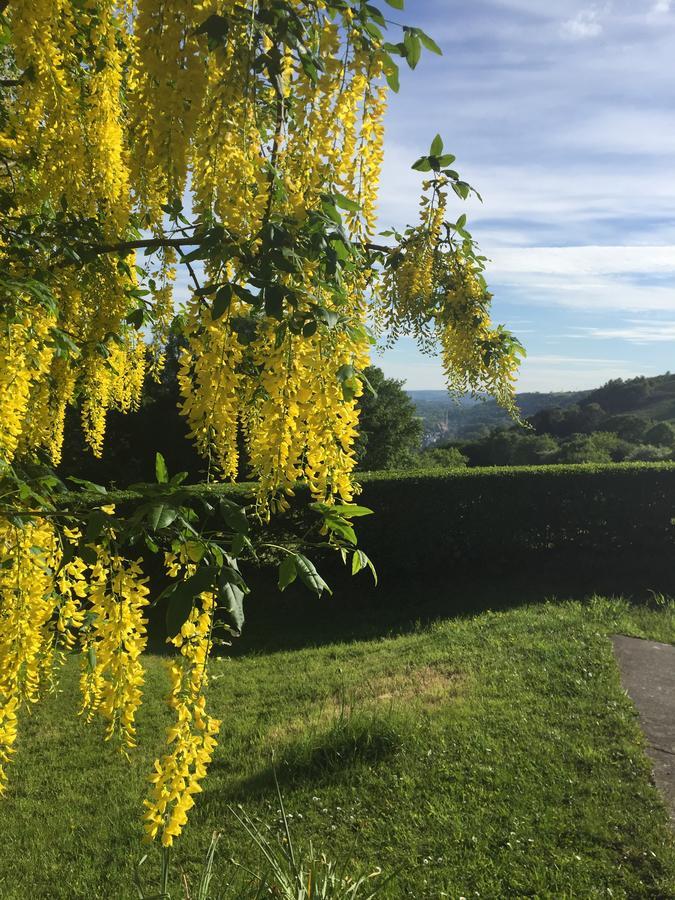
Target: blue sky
[(562, 114)]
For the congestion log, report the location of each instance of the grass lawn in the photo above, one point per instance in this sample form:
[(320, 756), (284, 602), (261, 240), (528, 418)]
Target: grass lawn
[(490, 755)]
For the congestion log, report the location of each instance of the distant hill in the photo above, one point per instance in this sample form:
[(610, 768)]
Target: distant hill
[(621, 421), (446, 419)]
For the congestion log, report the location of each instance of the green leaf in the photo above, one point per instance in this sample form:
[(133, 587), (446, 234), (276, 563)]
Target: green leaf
[(288, 572), (330, 210), (274, 300), (436, 146), (461, 188), (341, 527), (422, 165), (352, 510), (345, 203), (215, 27), (221, 302), (96, 523), (376, 14), (461, 222), (345, 373), (413, 48), (391, 73), (91, 657), (195, 551), (429, 42), (280, 335), (136, 318), (309, 575), (396, 4), (160, 515), (181, 599), (239, 542), (234, 516), (232, 598), (360, 561), (88, 485), (161, 471)]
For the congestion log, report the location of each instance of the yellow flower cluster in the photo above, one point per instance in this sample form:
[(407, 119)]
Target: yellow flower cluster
[(166, 86), (192, 738), (29, 554), (113, 675), (25, 359), (296, 418), (436, 291), (211, 387), (68, 130), (47, 599), (475, 355)]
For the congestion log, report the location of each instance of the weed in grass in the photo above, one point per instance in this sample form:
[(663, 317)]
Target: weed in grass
[(288, 874)]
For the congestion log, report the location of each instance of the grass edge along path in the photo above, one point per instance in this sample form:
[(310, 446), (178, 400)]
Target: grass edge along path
[(492, 756)]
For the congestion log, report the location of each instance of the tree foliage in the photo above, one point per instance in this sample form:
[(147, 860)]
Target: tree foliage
[(241, 144)]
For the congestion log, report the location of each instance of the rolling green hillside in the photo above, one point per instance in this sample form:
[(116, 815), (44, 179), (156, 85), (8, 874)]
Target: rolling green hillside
[(621, 421)]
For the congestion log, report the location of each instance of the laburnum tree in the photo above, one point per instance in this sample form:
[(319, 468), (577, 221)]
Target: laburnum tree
[(240, 142)]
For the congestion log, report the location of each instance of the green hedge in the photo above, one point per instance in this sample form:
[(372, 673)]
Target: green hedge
[(439, 519), (502, 515)]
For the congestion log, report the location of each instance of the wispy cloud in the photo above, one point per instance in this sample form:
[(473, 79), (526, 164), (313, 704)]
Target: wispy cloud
[(661, 6), (573, 373), (584, 261), (588, 23), (637, 332)]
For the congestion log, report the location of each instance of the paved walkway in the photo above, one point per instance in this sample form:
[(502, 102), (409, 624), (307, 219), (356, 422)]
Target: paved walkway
[(648, 675)]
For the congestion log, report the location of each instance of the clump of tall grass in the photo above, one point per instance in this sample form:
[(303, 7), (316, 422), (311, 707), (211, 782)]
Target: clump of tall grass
[(287, 873)]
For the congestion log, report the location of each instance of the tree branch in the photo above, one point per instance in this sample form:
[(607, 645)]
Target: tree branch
[(177, 243), (142, 244)]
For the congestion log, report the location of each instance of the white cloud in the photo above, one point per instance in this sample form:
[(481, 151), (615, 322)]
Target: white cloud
[(586, 278), (636, 331), (586, 24), (661, 6), (570, 373), (602, 295), (583, 261)]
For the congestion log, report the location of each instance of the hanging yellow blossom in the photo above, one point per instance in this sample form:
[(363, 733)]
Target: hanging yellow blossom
[(240, 144)]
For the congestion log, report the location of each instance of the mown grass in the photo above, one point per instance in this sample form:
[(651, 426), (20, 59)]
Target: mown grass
[(493, 755)]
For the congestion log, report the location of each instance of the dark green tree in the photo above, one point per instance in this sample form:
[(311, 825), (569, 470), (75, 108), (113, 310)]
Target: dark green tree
[(626, 426), (391, 432), (661, 434)]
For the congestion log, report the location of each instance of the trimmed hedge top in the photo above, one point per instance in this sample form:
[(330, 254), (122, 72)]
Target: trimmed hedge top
[(448, 519)]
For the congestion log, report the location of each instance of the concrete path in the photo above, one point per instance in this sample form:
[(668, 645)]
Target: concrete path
[(648, 675)]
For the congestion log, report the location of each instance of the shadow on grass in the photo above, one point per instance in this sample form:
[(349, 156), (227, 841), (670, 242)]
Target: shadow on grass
[(407, 600), (320, 756)]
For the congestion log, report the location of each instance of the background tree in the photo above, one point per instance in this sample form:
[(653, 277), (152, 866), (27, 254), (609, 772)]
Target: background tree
[(390, 431), (661, 434)]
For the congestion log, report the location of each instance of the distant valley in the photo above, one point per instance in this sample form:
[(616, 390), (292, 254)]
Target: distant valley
[(446, 419)]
